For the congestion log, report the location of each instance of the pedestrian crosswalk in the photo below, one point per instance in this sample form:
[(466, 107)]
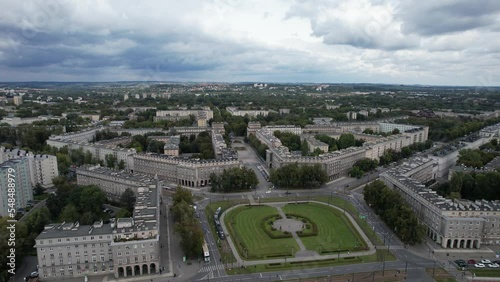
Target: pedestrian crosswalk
[(212, 268)]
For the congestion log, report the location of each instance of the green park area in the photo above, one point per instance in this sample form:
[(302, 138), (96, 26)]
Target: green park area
[(325, 230), (246, 226), (334, 233)]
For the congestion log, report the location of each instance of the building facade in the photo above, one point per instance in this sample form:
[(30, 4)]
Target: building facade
[(450, 223), (183, 171), (337, 163), (112, 182), (125, 247), (23, 190), (42, 168)]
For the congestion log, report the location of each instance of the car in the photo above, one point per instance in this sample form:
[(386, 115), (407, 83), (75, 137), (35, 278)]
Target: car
[(485, 261), (34, 274), (461, 262), (493, 265), (496, 261), (479, 265), (268, 191), (471, 261)]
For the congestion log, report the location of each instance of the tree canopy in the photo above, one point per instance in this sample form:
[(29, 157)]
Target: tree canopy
[(295, 176), (392, 209), (234, 180)]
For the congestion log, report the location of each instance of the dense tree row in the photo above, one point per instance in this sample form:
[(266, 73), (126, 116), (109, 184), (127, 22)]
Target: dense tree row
[(390, 206), (141, 143), (289, 140), (200, 146), (28, 137), (186, 225), (345, 140), (295, 176), (72, 203), (392, 155), (362, 166), (472, 186), (447, 129), (259, 146), (493, 145), (105, 134), (474, 158), (234, 180)]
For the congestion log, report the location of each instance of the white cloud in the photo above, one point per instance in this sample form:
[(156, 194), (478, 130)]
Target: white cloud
[(424, 41)]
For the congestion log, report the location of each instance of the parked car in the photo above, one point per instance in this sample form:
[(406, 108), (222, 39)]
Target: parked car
[(471, 261), (461, 263), (34, 274), (493, 265), (485, 261), (479, 265)]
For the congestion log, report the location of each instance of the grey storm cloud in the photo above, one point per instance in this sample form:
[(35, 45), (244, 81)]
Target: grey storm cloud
[(230, 40), (429, 17)]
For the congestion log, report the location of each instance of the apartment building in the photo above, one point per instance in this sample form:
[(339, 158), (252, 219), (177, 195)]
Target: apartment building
[(337, 163), (183, 171), (98, 151), (203, 113), (450, 223), (42, 168), (85, 135), (23, 190), (251, 113), (112, 182), (124, 247), (314, 144)]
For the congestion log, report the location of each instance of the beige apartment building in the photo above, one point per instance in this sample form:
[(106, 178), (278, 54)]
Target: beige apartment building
[(112, 182), (183, 171), (125, 247), (451, 223)]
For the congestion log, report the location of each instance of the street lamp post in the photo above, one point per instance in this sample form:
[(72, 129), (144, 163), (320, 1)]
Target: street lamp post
[(338, 253)]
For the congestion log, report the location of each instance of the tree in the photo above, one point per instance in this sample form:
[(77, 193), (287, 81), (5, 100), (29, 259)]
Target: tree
[(91, 199), (395, 131), (368, 131), (63, 163), (87, 218), (295, 176), (38, 190), (110, 160), (186, 225), (123, 213), (69, 214), (182, 194), (304, 147), (233, 180), (121, 165), (398, 216), (346, 140), (356, 171), (127, 199)]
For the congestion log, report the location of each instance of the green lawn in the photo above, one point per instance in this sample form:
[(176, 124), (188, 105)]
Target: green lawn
[(486, 272), (380, 256), (334, 228), (244, 224)]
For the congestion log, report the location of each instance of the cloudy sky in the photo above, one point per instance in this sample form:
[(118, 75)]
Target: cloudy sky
[(445, 42)]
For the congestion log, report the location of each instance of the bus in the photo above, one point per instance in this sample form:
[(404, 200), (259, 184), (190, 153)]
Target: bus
[(206, 253)]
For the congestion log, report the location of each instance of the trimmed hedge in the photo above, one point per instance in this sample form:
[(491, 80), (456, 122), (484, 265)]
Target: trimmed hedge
[(314, 231), (265, 226)]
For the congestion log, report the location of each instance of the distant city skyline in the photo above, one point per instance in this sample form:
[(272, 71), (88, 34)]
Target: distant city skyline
[(367, 41)]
